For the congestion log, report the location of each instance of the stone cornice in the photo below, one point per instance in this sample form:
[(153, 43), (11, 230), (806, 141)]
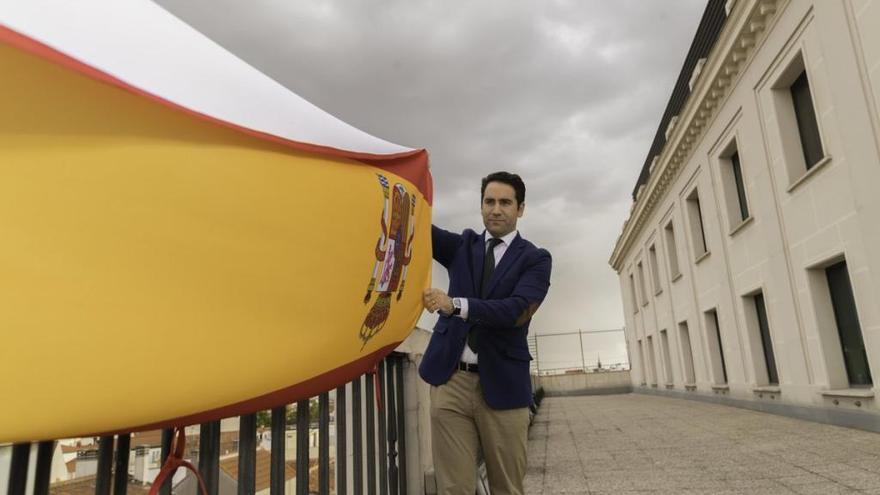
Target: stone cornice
[(742, 33)]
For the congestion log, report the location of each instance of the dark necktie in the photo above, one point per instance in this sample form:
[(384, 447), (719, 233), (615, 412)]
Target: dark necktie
[(488, 270)]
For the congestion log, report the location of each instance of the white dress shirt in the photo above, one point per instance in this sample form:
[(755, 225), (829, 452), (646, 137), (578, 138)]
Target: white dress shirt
[(468, 355)]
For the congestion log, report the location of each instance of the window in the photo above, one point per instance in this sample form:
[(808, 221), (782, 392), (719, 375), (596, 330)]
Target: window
[(807, 126), (733, 185), (642, 293), (655, 270), (847, 319), (684, 340), (716, 347), (801, 141), (652, 366), (740, 188), (671, 250), (761, 326), (667, 362), (642, 362), (695, 216), (632, 290)]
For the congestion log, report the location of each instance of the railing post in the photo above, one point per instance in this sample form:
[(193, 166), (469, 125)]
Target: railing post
[(302, 447), (167, 437), (209, 455), (120, 472), (383, 434), (393, 480), (401, 425), (247, 454), (324, 444), (341, 456), (21, 455), (357, 437), (279, 437), (44, 467), (370, 400), (105, 465), (583, 360)]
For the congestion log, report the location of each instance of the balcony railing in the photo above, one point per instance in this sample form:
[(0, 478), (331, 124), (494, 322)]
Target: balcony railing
[(378, 436)]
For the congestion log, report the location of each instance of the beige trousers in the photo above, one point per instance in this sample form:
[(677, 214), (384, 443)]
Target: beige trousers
[(462, 424)]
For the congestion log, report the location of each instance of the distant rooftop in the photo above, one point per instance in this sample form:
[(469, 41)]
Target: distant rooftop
[(86, 486), (262, 474)]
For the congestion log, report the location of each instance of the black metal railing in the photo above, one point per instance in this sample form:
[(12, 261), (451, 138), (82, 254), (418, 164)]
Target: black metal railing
[(380, 468)]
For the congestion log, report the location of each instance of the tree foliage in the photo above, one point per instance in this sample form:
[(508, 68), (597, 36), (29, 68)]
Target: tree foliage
[(264, 418)]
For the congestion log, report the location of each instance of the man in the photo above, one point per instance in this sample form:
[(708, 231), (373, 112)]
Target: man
[(478, 357)]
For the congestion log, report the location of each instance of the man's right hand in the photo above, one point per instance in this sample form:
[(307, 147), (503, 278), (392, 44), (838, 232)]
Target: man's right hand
[(437, 300)]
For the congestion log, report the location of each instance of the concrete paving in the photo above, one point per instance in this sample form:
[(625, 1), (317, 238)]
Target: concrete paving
[(638, 444)]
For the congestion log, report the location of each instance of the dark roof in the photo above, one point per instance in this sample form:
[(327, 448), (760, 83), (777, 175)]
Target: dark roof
[(707, 32)]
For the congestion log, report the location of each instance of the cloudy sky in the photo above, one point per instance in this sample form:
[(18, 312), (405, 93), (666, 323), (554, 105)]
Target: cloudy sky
[(568, 94)]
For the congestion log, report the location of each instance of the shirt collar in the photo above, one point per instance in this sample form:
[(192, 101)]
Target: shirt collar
[(506, 239)]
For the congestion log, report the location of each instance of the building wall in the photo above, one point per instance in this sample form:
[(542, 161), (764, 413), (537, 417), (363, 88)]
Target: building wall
[(799, 222)]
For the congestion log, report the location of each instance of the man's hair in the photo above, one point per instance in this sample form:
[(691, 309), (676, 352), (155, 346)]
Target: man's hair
[(508, 178)]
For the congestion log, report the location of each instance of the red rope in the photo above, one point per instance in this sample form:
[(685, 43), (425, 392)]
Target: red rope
[(178, 447), (174, 461), (378, 386)]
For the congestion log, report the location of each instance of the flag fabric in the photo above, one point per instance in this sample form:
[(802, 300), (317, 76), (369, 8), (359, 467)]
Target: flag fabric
[(181, 237)]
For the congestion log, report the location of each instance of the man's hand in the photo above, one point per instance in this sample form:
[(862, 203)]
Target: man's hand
[(436, 299)]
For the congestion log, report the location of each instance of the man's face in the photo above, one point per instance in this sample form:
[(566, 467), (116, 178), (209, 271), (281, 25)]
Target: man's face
[(500, 209)]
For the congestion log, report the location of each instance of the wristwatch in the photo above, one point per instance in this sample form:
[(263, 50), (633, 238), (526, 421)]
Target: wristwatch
[(456, 306)]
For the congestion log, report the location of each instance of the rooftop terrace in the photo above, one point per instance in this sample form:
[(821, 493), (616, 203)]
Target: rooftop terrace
[(638, 444)]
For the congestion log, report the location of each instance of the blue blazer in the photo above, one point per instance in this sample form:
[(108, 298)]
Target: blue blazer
[(517, 288)]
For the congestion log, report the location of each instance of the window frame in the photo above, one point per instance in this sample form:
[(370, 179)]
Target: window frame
[(671, 250), (791, 142), (697, 226)]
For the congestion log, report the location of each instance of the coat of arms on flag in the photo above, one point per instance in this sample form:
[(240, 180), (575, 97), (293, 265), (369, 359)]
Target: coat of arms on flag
[(393, 254)]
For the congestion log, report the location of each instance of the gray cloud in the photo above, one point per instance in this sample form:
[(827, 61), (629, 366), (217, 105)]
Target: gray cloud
[(566, 93)]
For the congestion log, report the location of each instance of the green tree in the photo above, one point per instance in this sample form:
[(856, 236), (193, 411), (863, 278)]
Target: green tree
[(264, 418)]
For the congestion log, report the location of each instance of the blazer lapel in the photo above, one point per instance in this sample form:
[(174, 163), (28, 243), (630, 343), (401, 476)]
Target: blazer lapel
[(510, 256), (478, 254)]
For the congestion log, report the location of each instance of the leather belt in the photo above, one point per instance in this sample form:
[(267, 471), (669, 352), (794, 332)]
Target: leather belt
[(474, 368)]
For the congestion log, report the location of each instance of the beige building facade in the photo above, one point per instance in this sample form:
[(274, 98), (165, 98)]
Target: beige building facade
[(750, 262)]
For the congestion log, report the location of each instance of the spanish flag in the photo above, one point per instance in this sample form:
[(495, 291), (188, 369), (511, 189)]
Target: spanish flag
[(181, 237)]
